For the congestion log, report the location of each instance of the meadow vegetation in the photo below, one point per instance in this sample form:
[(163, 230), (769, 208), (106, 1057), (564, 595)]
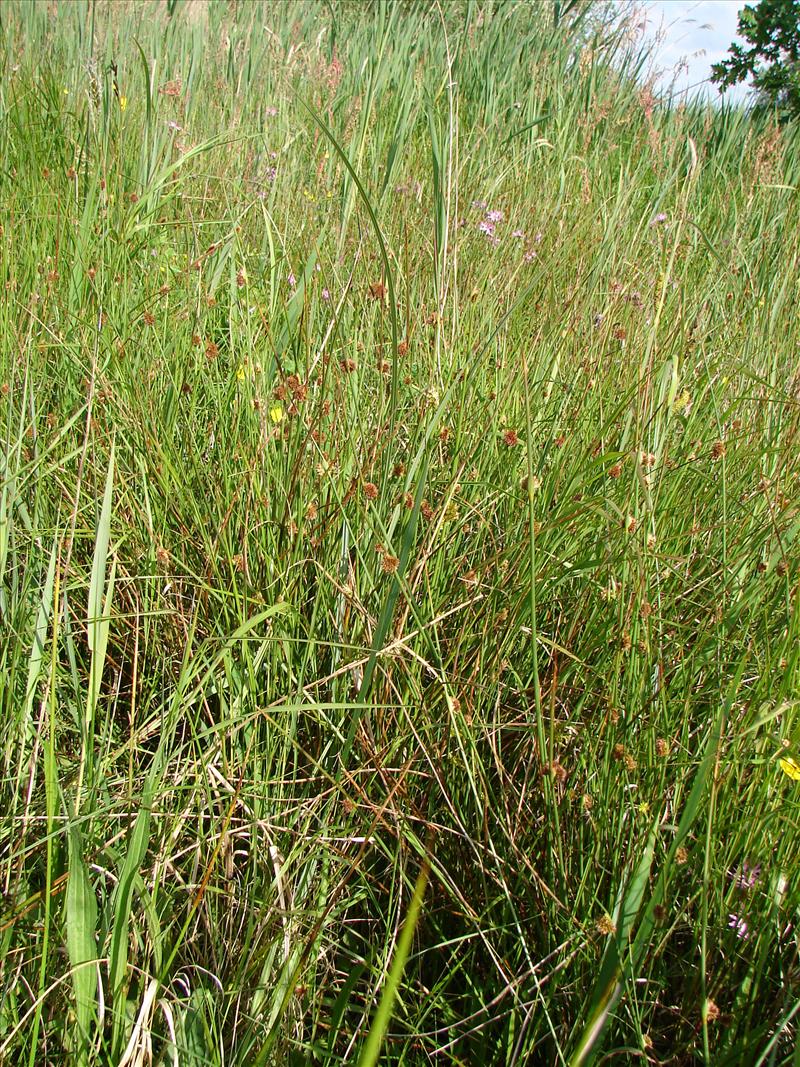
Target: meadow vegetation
[(399, 526)]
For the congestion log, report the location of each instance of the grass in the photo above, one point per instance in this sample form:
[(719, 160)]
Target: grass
[(399, 646)]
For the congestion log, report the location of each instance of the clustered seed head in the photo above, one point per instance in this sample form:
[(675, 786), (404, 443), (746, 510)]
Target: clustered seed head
[(605, 925), (389, 563), (717, 450), (556, 771), (510, 438), (370, 491), (712, 1012)]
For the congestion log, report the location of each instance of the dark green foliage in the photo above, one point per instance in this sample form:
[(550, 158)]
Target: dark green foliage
[(772, 30)]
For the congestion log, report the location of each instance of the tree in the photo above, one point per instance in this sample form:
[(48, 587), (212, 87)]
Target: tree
[(772, 30)]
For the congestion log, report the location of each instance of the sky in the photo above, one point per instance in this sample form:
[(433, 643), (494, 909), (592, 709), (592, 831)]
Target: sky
[(698, 32)]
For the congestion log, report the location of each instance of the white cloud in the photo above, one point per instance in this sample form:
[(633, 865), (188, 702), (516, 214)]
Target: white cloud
[(689, 37)]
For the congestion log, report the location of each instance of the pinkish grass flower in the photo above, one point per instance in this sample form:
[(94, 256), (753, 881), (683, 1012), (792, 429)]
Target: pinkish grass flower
[(748, 876), (494, 216), (479, 205), (291, 280), (529, 256), (326, 294), (520, 234), (737, 923), (271, 111), (487, 227), (660, 217)]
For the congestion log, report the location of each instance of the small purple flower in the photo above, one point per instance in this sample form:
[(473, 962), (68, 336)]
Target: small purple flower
[(748, 876), (326, 294), (486, 227), (519, 234), (173, 125), (291, 280), (479, 205), (271, 111), (271, 174), (735, 922), (538, 238), (494, 216), (529, 256), (660, 217)]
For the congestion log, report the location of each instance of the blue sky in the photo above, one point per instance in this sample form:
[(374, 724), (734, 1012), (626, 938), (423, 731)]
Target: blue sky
[(698, 33)]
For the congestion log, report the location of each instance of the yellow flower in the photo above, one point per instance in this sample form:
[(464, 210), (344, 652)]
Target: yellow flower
[(276, 413), (241, 374), (791, 767), (123, 103)]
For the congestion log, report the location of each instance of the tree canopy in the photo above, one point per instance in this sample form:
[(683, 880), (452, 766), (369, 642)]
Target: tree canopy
[(771, 29)]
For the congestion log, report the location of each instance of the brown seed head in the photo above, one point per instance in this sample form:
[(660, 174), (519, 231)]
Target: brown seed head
[(389, 563)]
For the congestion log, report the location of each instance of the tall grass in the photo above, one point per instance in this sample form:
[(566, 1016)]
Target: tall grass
[(399, 646)]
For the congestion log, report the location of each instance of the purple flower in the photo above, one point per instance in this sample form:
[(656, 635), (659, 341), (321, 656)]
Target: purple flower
[(291, 280), (660, 217), (326, 294), (271, 111), (486, 227), (529, 256), (479, 205), (538, 238), (173, 125), (494, 216), (748, 876), (520, 234), (735, 922)]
